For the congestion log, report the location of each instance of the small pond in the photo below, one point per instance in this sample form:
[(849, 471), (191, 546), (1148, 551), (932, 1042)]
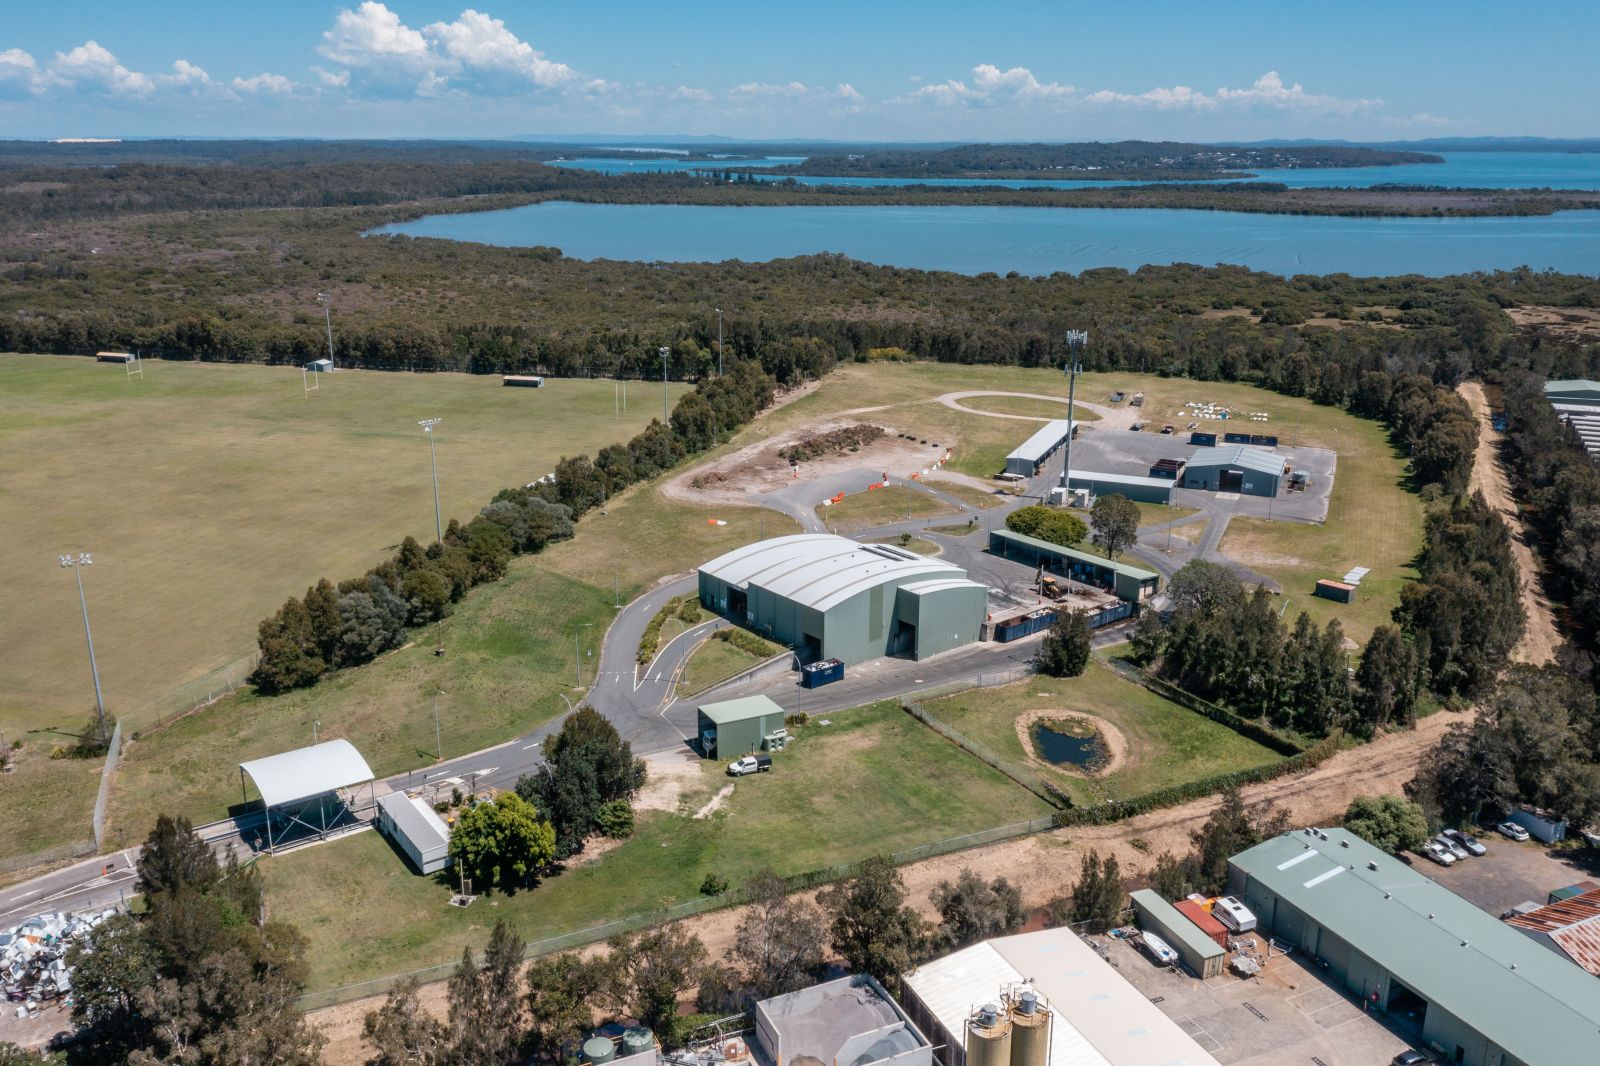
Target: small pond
[(1070, 742)]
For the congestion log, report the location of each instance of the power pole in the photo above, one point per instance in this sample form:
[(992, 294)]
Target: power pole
[(719, 342), (1077, 340), (666, 354)]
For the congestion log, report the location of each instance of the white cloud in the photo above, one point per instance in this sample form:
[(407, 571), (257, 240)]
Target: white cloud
[(265, 85), (474, 53), (1166, 99), (992, 87), (92, 68), (848, 92), (19, 74), (1270, 91), (759, 88), (332, 79), (685, 92)]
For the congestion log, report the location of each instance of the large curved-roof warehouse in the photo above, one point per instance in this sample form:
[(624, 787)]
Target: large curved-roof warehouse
[(829, 597)]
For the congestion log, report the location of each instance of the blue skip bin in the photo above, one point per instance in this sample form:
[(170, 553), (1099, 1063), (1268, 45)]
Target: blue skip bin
[(822, 672)]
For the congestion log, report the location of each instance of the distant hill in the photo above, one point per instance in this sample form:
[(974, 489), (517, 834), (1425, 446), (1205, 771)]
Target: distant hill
[(1459, 144), (1123, 160)]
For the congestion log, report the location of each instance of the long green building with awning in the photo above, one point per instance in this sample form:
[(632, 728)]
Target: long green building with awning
[(1129, 582)]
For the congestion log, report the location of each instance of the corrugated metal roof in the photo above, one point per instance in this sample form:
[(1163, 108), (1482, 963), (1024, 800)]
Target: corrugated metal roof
[(1564, 385), (1243, 456), (1122, 479), (1100, 1018), (821, 570), (1573, 923), (1071, 553), (740, 710), (1581, 942), (1042, 443), (306, 772), (1178, 923), (1436, 943), (940, 584), (417, 821)]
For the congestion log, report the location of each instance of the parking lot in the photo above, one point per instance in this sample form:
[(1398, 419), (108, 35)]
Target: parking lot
[(1512, 873), (1286, 1015)]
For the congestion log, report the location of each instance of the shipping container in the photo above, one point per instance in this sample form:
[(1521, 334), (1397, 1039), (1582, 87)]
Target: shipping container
[(1203, 919), (1335, 590)]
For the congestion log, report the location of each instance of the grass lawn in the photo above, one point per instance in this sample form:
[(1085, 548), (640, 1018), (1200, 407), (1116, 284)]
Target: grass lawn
[(913, 544), (209, 493), (1167, 744), (717, 660), (1155, 514), (46, 801), (1028, 407), (874, 781), (877, 507), (968, 494)]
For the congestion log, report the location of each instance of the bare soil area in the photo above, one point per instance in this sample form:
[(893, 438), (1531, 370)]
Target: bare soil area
[(1540, 637), (1579, 323), (1046, 865), (668, 774)]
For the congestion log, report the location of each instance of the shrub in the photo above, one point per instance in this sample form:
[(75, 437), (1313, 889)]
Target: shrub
[(615, 819), (713, 885)]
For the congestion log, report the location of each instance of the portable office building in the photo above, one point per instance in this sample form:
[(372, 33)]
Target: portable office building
[(416, 830), (737, 727)]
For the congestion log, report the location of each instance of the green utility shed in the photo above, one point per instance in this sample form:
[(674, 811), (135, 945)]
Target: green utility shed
[(1203, 956), (737, 727), (1128, 582)]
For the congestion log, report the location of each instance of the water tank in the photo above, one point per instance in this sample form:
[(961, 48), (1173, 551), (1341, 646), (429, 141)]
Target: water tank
[(989, 1037), (599, 1050), (1030, 1030), (637, 1040)]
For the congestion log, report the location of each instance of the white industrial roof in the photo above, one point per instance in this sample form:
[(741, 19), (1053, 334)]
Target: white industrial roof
[(417, 821), (940, 584), (1122, 479), (1238, 455), (820, 570), (1100, 1018), (1045, 441), (307, 772)]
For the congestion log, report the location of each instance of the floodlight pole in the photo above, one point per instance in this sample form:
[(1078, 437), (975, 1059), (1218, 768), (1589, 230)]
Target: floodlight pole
[(427, 425), (76, 565), (327, 317), (438, 742), (666, 354), (1077, 340), (719, 341)]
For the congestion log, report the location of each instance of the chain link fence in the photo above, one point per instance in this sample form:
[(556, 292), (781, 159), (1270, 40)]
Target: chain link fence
[(192, 695)]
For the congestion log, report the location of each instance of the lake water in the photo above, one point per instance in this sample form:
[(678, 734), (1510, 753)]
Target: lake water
[(1478, 170), (972, 240)]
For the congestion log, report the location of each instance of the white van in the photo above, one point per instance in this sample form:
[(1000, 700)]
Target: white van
[(1233, 914)]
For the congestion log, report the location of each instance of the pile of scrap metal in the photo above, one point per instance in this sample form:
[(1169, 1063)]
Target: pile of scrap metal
[(33, 957)]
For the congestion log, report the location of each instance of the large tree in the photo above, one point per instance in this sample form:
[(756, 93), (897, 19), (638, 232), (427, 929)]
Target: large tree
[(652, 969), (1114, 523), (502, 843), (403, 1032), (872, 928), (587, 764), (486, 1026), (1064, 651), (1047, 523), (174, 857), (1390, 823), (782, 938), (1388, 681), (1232, 828), (972, 909), (562, 992), (1097, 898)]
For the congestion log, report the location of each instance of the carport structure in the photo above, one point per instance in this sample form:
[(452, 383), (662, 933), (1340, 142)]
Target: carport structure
[(300, 789)]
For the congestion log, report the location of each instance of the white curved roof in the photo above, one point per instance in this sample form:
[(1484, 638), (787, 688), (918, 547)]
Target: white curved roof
[(821, 570), (1046, 440), (306, 772)]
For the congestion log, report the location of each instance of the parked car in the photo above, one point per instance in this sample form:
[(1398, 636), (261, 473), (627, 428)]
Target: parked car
[(1412, 1058), (750, 764), (1512, 830), (1466, 840), (1432, 850), (1451, 846)]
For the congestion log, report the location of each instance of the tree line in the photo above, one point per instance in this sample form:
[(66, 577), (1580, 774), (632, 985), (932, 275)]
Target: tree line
[(337, 626)]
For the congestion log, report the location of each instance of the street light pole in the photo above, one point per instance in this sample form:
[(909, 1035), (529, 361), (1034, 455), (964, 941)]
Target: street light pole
[(1077, 340), (76, 565), (438, 742), (577, 675), (314, 723), (719, 342), (666, 354), (327, 317)]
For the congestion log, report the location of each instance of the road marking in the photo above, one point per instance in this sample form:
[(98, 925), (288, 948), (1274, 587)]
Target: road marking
[(530, 747)]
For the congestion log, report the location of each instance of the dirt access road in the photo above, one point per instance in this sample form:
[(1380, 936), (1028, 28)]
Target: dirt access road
[(1540, 637), (1046, 865)]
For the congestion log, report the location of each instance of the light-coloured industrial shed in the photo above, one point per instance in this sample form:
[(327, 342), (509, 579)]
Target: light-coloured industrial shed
[(1202, 956), (737, 727), (1134, 487), (1097, 1017), (1130, 583), (1482, 992), (416, 830), (851, 1021), (300, 789), (1235, 468), (1034, 452), (828, 597), (1574, 391)]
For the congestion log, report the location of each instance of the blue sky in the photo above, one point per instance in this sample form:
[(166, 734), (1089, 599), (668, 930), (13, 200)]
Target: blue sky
[(869, 70)]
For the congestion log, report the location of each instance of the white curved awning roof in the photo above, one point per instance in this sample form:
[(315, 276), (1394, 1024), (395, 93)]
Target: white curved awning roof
[(307, 772)]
